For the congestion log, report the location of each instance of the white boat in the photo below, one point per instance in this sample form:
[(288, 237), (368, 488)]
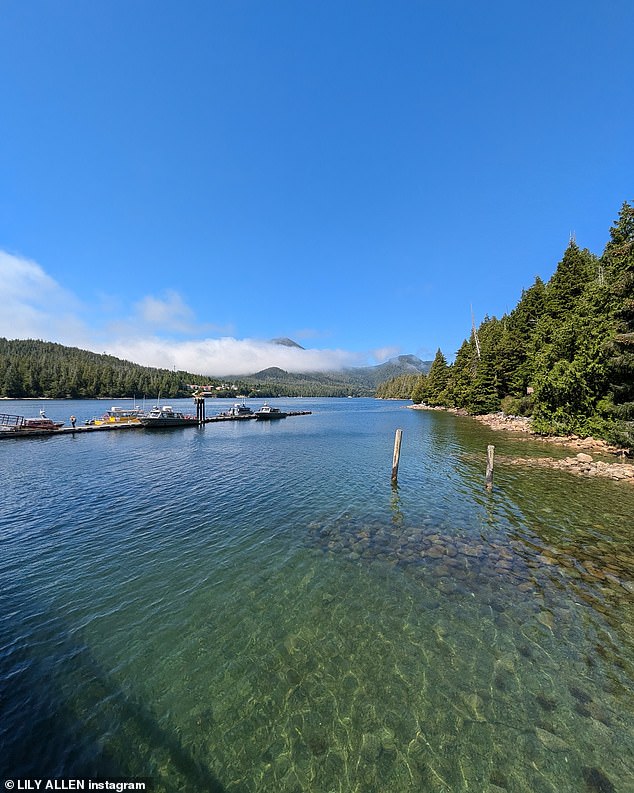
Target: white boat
[(236, 411), (268, 413), (166, 416)]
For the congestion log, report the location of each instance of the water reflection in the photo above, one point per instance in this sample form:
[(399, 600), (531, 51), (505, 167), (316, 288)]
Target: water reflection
[(395, 505)]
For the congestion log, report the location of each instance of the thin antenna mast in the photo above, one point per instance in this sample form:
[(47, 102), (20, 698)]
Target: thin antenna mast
[(475, 333)]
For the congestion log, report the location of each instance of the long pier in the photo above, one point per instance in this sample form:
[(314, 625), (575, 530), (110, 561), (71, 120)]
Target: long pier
[(21, 432)]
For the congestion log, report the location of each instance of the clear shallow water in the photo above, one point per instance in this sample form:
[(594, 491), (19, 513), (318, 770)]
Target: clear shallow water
[(251, 607)]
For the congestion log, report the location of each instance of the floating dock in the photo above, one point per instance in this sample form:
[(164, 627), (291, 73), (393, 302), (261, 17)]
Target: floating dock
[(20, 431)]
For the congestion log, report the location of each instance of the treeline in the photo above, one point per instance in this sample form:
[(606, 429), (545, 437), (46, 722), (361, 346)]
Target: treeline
[(266, 389), (564, 355), (30, 368), (276, 382)]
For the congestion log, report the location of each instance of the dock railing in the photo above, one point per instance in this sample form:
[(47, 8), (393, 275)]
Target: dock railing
[(11, 422)]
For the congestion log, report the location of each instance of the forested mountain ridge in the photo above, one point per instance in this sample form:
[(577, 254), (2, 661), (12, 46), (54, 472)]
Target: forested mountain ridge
[(351, 381), (31, 368), (276, 382), (564, 354)]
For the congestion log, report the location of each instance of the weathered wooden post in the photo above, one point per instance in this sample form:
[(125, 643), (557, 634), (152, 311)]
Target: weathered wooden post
[(489, 476), (397, 456)]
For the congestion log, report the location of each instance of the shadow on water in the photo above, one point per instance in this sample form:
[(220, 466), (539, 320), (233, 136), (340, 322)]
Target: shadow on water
[(64, 716)]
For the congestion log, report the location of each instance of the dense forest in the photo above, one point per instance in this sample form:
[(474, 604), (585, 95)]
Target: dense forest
[(43, 369), (564, 355), (33, 368)]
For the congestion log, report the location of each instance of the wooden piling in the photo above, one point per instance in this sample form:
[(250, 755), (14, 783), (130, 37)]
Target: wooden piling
[(490, 459), (200, 408), (397, 456)]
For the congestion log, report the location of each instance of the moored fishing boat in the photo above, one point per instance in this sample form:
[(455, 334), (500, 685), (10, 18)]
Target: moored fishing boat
[(236, 411), (41, 424), (166, 416), (20, 424), (118, 415), (268, 413)]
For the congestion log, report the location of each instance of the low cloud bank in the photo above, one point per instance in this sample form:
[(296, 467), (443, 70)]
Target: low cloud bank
[(229, 356)]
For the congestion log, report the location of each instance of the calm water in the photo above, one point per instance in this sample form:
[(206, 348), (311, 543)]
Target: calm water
[(251, 607)]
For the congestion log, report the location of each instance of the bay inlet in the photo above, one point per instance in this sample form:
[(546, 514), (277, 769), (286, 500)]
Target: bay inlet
[(250, 606)]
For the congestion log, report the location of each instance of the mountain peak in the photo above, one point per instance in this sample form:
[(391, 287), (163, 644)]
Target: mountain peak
[(408, 361), (285, 342)]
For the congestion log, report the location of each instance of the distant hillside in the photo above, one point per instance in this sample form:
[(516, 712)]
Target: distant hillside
[(31, 368), (352, 381), (371, 376), (274, 381)]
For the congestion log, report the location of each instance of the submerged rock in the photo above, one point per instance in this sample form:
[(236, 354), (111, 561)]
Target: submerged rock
[(551, 741), (596, 781), (580, 695), (545, 702)]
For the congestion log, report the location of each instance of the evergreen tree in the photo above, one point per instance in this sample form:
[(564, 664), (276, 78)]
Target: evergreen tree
[(13, 385), (462, 374), (418, 392), (519, 331), (566, 349), (576, 269), (483, 396), (618, 264), (435, 390)]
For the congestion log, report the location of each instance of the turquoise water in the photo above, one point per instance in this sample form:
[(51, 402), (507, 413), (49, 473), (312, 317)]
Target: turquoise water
[(252, 607)]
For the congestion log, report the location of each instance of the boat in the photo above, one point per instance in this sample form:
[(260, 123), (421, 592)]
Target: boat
[(118, 415), (267, 413), (166, 416), (41, 424), (237, 411), (17, 424)]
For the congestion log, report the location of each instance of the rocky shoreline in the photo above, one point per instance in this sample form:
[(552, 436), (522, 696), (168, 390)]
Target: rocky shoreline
[(582, 464)]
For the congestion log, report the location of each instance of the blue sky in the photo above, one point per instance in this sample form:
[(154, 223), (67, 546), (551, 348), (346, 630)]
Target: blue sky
[(181, 182)]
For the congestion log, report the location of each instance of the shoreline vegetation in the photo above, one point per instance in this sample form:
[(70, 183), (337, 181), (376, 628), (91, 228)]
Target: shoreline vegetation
[(564, 356), (582, 463)]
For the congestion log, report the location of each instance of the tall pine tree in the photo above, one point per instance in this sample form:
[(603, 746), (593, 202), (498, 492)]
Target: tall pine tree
[(618, 264)]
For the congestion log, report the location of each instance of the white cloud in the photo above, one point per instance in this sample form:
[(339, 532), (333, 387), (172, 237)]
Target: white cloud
[(152, 315), (34, 305), (225, 356), (382, 354), (170, 313)]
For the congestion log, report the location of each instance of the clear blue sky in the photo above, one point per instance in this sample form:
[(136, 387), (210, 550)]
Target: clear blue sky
[(179, 180)]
